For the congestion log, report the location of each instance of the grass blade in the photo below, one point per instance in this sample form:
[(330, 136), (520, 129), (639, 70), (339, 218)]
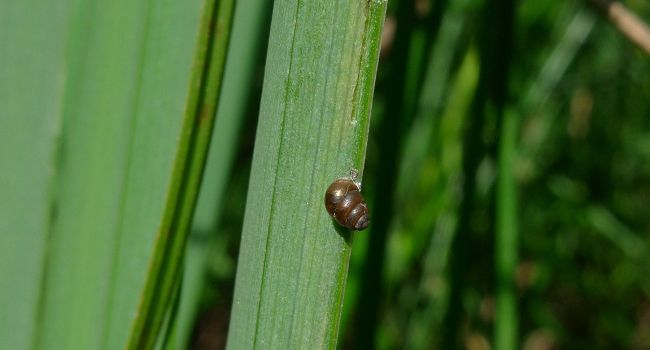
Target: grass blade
[(506, 247), (313, 129), (249, 35), (164, 275), (31, 99), (133, 74)]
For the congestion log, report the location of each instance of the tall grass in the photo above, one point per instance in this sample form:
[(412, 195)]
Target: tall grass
[(312, 129), (125, 88), (506, 174)]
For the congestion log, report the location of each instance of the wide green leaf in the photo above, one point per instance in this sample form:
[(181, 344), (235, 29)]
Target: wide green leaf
[(111, 200), (31, 99)]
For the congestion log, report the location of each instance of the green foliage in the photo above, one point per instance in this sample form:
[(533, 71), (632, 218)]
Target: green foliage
[(207, 240), (125, 89), (30, 105), (313, 127), (507, 175)]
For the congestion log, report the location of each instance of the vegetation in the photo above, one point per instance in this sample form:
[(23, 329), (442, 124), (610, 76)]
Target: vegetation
[(502, 148)]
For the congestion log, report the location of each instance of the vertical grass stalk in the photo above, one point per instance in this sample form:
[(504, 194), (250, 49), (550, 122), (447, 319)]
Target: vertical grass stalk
[(506, 327), (313, 128), (249, 26), (167, 261)]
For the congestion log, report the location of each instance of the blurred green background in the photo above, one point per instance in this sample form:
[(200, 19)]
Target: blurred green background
[(549, 90)]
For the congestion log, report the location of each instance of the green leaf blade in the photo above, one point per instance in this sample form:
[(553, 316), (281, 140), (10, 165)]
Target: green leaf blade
[(313, 128), (131, 87), (30, 105)]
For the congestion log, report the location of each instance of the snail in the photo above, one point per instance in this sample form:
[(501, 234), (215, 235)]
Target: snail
[(346, 205)]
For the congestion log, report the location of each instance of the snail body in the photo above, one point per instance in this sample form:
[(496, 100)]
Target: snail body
[(346, 205)]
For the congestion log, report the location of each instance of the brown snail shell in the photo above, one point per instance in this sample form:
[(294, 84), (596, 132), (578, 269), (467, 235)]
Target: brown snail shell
[(346, 205)]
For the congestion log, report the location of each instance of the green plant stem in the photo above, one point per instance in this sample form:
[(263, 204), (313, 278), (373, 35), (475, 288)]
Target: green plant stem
[(506, 326), (313, 128), (500, 46), (250, 28), (167, 261)]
